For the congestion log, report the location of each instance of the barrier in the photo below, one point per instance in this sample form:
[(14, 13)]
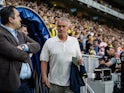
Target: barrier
[(90, 62)]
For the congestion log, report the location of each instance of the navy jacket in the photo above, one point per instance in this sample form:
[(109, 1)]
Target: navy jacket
[(76, 80)]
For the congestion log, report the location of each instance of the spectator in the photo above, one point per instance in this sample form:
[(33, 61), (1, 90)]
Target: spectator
[(102, 63), (111, 62), (96, 46), (89, 43), (23, 29), (92, 51)]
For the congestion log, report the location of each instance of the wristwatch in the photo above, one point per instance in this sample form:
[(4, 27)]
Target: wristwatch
[(23, 47)]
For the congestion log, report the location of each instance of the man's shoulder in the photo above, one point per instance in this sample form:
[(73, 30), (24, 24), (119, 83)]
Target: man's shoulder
[(2, 29), (50, 40), (113, 60), (56, 39), (72, 38)]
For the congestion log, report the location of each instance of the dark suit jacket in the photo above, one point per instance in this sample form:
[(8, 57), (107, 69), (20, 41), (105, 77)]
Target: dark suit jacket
[(11, 58)]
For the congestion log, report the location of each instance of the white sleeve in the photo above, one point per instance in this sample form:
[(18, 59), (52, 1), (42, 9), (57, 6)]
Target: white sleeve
[(44, 56), (78, 51)]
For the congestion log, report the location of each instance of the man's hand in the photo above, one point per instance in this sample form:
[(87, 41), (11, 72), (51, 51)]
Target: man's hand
[(21, 47), (80, 62), (45, 81)]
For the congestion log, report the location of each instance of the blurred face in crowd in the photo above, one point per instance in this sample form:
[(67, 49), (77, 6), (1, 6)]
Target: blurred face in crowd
[(62, 27), (109, 42), (95, 43), (111, 51), (24, 30), (101, 61)]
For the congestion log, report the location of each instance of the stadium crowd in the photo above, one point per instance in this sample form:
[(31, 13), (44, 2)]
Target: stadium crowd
[(91, 35), (95, 40), (109, 5)]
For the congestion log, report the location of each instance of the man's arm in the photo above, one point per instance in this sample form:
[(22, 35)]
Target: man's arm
[(10, 51), (31, 44), (44, 66), (111, 62), (108, 64)]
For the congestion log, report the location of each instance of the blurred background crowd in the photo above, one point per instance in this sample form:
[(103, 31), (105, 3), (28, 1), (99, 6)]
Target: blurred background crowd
[(93, 37)]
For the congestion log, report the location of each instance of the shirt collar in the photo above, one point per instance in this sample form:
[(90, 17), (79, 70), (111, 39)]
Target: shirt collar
[(57, 38), (12, 31)]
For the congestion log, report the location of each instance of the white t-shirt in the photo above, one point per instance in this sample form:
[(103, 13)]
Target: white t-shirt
[(59, 54)]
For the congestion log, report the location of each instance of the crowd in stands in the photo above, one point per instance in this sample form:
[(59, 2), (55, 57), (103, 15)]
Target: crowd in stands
[(93, 37), (103, 2)]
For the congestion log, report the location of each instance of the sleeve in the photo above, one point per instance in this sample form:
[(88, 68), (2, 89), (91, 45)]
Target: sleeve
[(44, 56), (78, 50), (26, 48), (10, 51), (31, 45), (113, 60)]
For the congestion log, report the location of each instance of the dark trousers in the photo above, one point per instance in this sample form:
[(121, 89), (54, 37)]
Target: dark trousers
[(25, 87)]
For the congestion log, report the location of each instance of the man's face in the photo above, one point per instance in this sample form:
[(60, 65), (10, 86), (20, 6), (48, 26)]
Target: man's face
[(63, 27), (101, 61), (24, 30), (111, 51), (17, 20)]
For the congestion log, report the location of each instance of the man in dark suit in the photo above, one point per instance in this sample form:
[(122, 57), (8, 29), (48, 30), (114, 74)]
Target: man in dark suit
[(15, 48)]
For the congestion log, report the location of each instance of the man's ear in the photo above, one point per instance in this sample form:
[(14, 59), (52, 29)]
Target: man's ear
[(10, 19)]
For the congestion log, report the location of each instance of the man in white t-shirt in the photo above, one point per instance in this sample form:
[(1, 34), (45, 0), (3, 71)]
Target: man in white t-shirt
[(58, 51)]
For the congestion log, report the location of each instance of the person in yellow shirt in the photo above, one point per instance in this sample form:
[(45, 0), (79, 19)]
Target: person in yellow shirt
[(52, 29)]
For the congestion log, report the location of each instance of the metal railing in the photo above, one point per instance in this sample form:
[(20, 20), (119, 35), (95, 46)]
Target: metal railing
[(90, 62)]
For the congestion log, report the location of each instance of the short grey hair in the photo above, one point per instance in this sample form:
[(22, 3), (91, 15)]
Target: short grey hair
[(64, 19)]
